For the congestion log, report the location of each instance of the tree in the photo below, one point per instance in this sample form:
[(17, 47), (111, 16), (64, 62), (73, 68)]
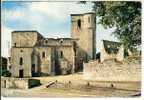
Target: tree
[(125, 16)]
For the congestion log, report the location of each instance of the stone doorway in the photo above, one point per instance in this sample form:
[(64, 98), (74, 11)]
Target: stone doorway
[(33, 70), (81, 64), (4, 83), (21, 73)]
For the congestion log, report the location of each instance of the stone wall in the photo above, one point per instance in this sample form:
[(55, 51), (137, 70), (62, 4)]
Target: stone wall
[(85, 33), (64, 66), (45, 63), (111, 70), (25, 54), (64, 59), (68, 55), (20, 83), (24, 38), (38, 53), (57, 42)]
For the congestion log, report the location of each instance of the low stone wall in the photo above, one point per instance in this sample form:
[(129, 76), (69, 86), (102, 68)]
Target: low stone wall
[(21, 83), (112, 71)]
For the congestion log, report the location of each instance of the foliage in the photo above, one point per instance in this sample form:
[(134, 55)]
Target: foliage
[(111, 47), (4, 60), (125, 16), (3, 68), (5, 73)]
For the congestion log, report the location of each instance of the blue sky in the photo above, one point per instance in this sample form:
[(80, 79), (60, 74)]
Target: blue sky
[(51, 19)]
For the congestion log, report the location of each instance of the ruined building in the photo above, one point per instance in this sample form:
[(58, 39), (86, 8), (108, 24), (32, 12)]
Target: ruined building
[(111, 50), (34, 55)]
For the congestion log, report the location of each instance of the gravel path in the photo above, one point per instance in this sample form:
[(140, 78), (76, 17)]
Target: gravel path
[(75, 86)]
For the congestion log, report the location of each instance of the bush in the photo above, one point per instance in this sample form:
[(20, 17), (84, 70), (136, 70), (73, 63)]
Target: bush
[(5, 73)]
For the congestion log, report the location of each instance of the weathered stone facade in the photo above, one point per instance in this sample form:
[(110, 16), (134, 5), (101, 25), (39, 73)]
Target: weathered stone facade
[(112, 50), (20, 83), (111, 66), (111, 70), (83, 28), (45, 56), (34, 55)]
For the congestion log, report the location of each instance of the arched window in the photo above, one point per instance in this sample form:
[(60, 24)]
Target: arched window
[(79, 24), (21, 61), (43, 54), (21, 50), (14, 44), (94, 20), (46, 41), (61, 54), (61, 41), (89, 19)]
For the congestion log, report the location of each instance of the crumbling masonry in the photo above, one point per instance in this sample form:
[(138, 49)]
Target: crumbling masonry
[(34, 55)]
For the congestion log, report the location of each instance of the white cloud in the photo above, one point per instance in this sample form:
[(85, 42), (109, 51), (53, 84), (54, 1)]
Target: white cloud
[(14, 14), (37, 15), (6, 41), (40, 15), (59, 10), (47, 13), (104, 34)]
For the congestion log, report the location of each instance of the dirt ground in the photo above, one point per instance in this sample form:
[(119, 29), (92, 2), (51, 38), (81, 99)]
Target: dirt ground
[(74, 86)]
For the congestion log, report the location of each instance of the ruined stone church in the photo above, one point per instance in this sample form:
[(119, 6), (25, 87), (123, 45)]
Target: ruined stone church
[(34, 55)]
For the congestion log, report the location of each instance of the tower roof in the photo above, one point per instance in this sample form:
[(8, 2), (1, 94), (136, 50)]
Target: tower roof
[(82, 14)]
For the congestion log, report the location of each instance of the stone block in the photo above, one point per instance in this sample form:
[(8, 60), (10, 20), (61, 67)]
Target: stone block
[(19, 83)]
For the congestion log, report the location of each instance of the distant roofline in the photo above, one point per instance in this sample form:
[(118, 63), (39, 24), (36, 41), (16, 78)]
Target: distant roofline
[(111, 41), (90, 13), (82, 14), (43, 36), (25, 31), (61, 38)]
